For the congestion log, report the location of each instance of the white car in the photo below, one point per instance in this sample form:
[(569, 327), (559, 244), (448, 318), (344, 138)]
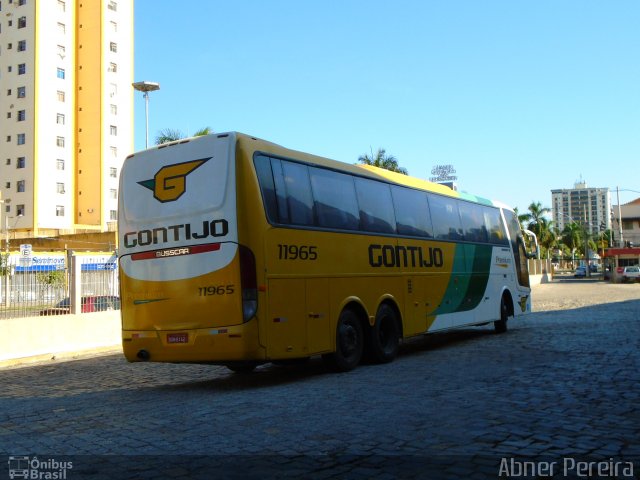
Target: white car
[(629, 274)]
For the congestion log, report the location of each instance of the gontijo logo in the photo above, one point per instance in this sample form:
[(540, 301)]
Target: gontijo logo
[(170, 182)]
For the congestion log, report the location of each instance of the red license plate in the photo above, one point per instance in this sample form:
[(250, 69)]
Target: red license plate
[(177, 338)]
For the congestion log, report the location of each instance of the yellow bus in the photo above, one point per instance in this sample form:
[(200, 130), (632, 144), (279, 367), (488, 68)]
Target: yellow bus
[(236, 251)]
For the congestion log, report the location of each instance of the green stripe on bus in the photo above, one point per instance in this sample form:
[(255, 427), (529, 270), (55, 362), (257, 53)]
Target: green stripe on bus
[(468, 281)]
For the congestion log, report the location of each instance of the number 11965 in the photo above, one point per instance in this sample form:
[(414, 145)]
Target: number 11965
[(297, 252)]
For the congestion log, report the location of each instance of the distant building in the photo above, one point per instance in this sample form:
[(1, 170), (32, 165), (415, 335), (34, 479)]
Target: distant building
[(630, 214), (66, 118), (589, 207)]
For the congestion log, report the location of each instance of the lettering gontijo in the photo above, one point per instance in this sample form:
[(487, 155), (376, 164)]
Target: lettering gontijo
[(237, 251)]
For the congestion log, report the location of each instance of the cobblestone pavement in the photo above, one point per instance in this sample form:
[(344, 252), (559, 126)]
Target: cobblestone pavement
[(559, 388)]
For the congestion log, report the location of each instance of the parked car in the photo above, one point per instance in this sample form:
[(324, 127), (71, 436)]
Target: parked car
[(581, 271), (629, 274), (88, 304)]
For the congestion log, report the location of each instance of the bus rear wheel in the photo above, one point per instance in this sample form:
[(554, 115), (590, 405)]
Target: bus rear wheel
[(500, 326), (384, 341), (349, 343), (246, 366)]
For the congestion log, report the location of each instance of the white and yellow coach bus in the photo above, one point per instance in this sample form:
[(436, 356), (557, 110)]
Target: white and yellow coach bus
[(236, 251)]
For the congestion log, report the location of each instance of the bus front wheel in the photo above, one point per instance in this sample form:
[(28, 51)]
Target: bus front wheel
[(349, 343), (500, 326), (384, 341)]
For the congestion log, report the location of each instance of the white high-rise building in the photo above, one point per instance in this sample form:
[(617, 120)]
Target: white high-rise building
[(590, 207), (66, 112)]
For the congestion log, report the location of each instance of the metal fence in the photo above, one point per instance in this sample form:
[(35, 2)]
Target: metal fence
[(41, 284)]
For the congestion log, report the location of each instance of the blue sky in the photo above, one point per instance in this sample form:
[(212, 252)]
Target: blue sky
[(521, 97)]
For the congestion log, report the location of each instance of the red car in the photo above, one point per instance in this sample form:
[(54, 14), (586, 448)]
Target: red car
[(98, 303)]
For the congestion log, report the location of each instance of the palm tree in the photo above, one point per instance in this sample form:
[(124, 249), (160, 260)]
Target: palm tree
[(382, 160), (572, 237), (167, 135), (536, 218)]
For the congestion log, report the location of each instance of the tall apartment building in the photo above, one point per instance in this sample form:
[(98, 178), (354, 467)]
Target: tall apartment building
[(587, 206), (66, 112)]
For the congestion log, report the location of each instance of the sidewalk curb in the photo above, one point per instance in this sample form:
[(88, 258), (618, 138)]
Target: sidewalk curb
[(52, 358)]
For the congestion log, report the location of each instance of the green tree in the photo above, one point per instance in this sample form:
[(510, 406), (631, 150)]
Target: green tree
[(535, 219), (572, 237), (167, 135), (382, 160)]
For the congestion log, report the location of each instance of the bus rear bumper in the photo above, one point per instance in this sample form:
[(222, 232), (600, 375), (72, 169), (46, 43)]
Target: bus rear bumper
[(204, 345)]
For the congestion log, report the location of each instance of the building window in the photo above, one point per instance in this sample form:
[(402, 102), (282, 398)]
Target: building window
[(60, 73), (114, 27), (113, 172), (113, 47), (21, 138), (8, 114), (114, 109), (60, 187), (113, 89), (60, 141), (22, 115), (9, 45), (60, 96), (22, 45), (113, 6), (61, 51), (20, 185), (113, 193), (59, 164), (22, 22), (8, 138), (8, 161), (113, 67), (22, 2), (62, 6), (60, 119), (114, 130), (22, 68), (113, 215), (7, 184), (61, 28), (59, 210), (22, 162), (114, 152), (21, 92), (20, 209)]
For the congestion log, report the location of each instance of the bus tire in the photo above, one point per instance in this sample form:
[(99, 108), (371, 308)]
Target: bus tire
[(246, 366), (500, 326), (384, 340), (349, 343)]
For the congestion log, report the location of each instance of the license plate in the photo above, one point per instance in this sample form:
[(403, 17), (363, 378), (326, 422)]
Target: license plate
[(177, 338)]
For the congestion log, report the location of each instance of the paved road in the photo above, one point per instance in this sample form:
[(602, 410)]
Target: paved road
[(559, 387)]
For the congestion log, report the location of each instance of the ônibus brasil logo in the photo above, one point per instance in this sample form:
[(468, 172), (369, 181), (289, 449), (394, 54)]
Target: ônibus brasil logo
[(170, 182)]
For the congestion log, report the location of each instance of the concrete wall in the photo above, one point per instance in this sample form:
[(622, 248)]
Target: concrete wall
[(38, 338)]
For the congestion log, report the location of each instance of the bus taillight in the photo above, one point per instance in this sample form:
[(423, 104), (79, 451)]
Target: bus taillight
[(249, 283)]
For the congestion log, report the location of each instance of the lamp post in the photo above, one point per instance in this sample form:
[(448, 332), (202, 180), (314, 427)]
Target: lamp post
[(6, 246), (146, 87)]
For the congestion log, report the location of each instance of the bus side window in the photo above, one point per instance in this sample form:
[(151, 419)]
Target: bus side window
[(494, 226), (376, 207), (473, 222), (281, 191), (265, 179), (335, 199), (412, 212), (299, 201), (445, 218)]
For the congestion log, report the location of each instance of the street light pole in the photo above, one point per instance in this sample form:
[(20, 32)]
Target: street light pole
[(146, 87)]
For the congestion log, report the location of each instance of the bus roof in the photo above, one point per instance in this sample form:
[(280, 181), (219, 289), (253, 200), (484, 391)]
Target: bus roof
[(251, 143)]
